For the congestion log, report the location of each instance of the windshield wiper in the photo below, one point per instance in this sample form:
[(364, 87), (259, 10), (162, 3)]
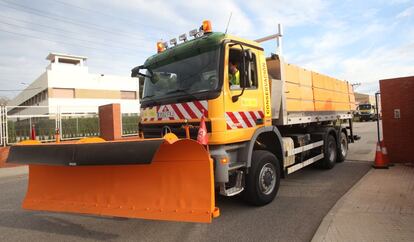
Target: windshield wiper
[(183, 90), (150, 97)]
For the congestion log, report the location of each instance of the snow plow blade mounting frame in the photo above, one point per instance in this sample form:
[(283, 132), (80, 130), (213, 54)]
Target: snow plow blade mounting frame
[(177, 185), (80, 154)]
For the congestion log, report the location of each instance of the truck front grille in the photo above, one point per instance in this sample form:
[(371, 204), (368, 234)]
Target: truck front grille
[(155, 130)]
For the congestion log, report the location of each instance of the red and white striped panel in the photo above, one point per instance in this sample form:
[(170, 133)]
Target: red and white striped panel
[(179, 111), (240, 120)]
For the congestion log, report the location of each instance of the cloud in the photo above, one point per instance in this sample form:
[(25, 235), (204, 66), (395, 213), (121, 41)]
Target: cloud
[(290, 13), (325, 52), (380, 63), (406, 13), (398, 1), (362, 44)]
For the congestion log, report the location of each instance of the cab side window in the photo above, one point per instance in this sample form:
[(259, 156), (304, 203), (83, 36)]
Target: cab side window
[(253, 65), (236, 69)]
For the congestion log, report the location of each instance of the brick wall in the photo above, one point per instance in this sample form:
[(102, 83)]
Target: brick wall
[(398, 93), (110, 121)]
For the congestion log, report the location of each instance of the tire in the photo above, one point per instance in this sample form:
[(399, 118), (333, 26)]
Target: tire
[(343, 147), (263, 179), (329, 152)]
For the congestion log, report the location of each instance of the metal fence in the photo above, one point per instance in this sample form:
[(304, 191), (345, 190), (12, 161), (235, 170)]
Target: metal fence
[(22, 121), (19, 123), (130, 123), (2, 125)]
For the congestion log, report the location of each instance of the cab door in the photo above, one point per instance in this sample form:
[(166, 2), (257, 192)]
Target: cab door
[(244, 110)]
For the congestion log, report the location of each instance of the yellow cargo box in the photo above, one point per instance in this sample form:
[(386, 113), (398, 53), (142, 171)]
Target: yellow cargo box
[(311, 91)]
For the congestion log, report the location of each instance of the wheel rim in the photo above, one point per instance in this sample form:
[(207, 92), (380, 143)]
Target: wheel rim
[(267, 178), (344, 148)]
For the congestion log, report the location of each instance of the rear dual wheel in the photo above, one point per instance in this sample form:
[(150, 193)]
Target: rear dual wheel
[(330, 152), (343, 147)]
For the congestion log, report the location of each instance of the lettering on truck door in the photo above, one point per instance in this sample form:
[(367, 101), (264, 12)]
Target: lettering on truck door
[(266, 90)]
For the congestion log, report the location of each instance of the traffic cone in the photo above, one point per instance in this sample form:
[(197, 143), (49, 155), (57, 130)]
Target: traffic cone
[(385, 153), (202, 137), (33, 132), (379, 162)]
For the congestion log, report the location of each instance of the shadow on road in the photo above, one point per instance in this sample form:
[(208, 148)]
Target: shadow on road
[(50, 224)]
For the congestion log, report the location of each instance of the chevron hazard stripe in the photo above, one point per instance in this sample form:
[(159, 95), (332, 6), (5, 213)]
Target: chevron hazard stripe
[(239, 120), (175, 111)]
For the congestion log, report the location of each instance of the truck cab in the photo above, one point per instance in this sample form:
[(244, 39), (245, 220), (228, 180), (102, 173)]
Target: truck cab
[(192, 79), (367, 112)]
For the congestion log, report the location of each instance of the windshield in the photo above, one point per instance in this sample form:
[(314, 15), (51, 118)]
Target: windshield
[(365, 107), (188, 76)]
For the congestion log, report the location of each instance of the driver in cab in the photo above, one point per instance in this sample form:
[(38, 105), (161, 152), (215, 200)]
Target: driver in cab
[(234, 74)]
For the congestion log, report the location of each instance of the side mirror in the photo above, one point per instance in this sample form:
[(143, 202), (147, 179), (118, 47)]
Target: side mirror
[(246, 74), (141, 87), (247, 69), (135, 72), (249, 55)]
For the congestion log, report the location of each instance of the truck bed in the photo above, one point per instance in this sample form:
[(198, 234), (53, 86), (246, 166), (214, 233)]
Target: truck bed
[(307, 96)]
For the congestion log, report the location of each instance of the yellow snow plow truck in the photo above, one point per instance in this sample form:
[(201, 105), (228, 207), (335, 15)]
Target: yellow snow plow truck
[(264, 118)]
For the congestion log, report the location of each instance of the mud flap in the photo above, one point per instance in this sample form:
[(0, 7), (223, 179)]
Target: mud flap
[(177, 185)]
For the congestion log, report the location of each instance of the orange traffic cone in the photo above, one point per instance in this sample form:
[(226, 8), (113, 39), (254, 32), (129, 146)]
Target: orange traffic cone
[(380, 162), (33, 132), (202, 137), (385, 153)]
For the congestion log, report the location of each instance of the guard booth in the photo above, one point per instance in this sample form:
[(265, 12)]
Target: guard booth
[(397, 101)]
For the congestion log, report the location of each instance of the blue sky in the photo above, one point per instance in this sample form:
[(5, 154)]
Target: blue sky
[(359, 41)]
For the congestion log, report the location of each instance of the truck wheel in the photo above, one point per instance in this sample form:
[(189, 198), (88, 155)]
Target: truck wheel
[(329, 152), (343, 147), (263, 179)]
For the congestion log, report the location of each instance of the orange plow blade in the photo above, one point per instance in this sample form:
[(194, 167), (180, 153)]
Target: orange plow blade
[(177, 185)]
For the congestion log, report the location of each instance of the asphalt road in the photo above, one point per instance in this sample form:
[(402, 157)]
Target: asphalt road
[(304, 199)]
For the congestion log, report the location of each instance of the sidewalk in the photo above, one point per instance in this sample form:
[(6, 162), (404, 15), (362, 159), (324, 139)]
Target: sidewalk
[(380, 207), (13, 171)]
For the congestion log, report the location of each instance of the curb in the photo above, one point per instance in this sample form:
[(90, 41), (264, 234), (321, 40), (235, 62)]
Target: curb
[(328, 219), (13, 171)]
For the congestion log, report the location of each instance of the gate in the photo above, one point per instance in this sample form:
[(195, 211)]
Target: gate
[(21, 121), (18, 122)]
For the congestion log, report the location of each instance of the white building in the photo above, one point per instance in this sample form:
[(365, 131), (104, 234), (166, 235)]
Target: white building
[(67, 84)]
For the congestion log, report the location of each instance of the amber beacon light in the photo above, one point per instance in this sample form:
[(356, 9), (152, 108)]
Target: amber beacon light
[(160, 47), (207, 26)]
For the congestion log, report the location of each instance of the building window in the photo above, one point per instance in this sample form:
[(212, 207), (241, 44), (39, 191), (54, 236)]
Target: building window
[(128, 95), (44, 95), (63, 93)]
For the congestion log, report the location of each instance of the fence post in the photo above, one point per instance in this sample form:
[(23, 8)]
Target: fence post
[(1, 127), (30, 127), (58, 122), (6, 126)]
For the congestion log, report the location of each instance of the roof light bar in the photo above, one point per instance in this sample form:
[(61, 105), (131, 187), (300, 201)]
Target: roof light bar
[(183, 37), (173, 41), (193, 33)]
